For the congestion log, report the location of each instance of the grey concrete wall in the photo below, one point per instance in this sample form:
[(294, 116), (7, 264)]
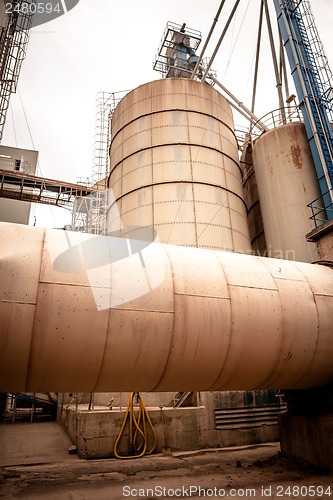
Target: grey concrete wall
[(181, 429)]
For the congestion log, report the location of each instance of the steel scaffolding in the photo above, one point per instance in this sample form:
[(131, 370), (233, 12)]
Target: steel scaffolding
[(14, 37), (90, 212)]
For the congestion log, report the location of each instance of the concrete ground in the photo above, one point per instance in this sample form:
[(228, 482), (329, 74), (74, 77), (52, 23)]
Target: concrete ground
[(35, 464), (28, 444)]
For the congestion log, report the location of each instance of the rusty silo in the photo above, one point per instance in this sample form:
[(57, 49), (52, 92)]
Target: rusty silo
[(175, 167), (287, 182)]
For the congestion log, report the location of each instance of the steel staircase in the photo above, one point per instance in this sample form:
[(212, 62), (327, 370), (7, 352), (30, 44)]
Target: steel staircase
[(180, 399)]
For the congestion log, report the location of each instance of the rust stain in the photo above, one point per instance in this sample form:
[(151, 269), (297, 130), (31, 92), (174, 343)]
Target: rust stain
[(296, 156)]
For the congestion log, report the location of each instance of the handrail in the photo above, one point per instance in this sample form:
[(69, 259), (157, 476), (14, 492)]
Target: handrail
[(276, 117), (321, 210)]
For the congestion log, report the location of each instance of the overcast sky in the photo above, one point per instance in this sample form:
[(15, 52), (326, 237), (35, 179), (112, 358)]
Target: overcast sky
[(109, 45)]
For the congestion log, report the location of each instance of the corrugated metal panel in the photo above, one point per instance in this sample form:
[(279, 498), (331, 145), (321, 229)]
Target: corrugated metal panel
[(247, 417)]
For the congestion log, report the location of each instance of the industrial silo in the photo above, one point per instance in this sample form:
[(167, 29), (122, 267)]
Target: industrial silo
[(287, 182), (175, 168), (257, 234)]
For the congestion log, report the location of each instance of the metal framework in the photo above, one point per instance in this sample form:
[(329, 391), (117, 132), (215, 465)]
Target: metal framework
[(313, 82), (25, 187), (14, 38), (177, 45), (89, 213)]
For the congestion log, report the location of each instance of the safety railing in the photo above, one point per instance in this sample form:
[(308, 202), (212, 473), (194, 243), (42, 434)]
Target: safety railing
[(273, 119), (277, 117), (320, 213)]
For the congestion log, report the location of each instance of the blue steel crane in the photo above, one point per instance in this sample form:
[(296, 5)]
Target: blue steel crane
[(313, 82)]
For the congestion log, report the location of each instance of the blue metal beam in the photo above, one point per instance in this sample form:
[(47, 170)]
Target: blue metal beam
[(311, 89)]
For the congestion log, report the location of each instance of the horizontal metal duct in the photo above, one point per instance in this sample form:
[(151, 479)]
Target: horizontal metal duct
[(85, 313)]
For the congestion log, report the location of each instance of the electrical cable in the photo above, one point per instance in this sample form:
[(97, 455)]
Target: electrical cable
[(13, 122), (224, 205), (29, 130), (138, 436), (38, 167), (216, 18), (235, 42), (26, 119), (207, 69)]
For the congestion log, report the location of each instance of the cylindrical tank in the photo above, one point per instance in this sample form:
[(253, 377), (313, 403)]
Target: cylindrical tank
[(287, 182), (174, 166), (251, 197), (85, 313)]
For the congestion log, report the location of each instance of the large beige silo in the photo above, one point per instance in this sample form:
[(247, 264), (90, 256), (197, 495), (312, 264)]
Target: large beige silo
[(287, 182), (175, 167)]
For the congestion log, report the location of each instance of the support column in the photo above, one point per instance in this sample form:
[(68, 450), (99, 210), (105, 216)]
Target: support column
[(306, 428)]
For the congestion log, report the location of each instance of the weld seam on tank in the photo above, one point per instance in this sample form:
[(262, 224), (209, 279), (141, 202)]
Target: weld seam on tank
[(156, 164), (171, 126), (172, 341), (98, 376), (204, 224), (271, 376), (4, 301), (222, 270), (185, 110), (169, 110), (202, 202), (318, 322), (220, 109), (31, 347), (161, 145), (180, 182)]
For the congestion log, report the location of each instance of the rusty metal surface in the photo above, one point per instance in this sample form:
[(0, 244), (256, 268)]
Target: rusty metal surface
[(83, 314), (20, 264), (286, 181), (174, 165)]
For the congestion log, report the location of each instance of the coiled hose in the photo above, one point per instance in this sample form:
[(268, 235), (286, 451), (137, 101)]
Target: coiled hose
[(138, 437)]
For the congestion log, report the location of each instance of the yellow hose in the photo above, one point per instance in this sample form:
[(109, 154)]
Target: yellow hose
[(139, 426)]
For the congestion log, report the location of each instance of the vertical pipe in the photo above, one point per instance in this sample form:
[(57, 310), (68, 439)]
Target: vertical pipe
[(283, 65), (240, 104), (220, 40), (276, 69), (216, 18), (257, 57), (283, 69)]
